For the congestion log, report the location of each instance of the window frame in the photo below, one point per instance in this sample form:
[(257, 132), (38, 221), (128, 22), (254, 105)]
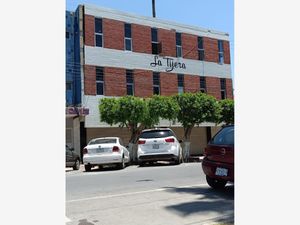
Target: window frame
[(127, 38), (155, 85), (129, 84), (201, 49), (203, 89), (178, 46), (153, 42), (180, 88), (223, 89), (101, 82), (221, 51), (96, 34)]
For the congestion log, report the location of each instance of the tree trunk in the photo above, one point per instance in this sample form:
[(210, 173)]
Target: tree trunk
[(135, 132), (187, 143)]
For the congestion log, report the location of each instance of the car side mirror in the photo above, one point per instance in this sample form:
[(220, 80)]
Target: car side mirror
[(180, 141)]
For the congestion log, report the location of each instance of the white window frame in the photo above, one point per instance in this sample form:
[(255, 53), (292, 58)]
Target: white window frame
[(126, 38), (130, 84), (221, 53), (201, 50), (99, 34)]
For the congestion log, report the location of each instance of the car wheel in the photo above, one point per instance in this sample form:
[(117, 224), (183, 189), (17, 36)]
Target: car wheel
[(122, 164), (215, 183), (76, 165), (87, 168), (179, 159)]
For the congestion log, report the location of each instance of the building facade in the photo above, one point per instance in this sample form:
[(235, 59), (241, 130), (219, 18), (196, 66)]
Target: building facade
[(124, 54)]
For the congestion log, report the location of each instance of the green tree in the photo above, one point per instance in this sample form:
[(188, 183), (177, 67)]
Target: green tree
[(195, 108), (226, 111), (161, 107), (126, 111), (136, 113)]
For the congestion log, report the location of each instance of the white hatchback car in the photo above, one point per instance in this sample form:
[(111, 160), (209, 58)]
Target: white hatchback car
[(159, 144), (105, 151)]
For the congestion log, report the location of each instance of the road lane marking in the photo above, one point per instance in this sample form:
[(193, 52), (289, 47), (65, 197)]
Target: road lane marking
[(133, 193)]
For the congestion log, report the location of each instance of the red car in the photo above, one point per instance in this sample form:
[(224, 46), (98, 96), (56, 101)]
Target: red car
[(218, 162)]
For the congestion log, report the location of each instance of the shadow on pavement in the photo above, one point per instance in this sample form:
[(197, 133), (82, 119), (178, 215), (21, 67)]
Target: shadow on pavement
[(210, 200), (159, 164), (103, 169)]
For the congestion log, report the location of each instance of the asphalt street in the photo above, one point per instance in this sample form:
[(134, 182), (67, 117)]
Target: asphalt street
[(160, 194)]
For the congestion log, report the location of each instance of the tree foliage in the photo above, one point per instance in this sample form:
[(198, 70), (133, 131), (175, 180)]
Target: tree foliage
[(137, 113), (226, 111), (195, 108), (161, 107)]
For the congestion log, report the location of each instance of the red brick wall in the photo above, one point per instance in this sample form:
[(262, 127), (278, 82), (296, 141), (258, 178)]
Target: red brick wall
[(89, 80), (210, 49), (191, 83), (229, 91), (89, 30), (189, 46), (226, 52), (168, 84), (213, 87), (143, 83), (168, 40), (141, 38), (114, 81), (113, 32)]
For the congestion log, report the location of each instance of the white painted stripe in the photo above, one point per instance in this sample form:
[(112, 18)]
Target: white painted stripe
[(132, 193), (153, 22), (92, 120), (98, 56)]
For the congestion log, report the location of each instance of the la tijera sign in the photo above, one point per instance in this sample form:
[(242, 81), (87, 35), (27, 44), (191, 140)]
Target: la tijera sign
[(167, 62)]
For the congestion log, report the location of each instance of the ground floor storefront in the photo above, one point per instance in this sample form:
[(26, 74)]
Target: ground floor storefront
[(79, 132)]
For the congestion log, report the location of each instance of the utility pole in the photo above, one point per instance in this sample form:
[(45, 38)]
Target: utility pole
[(153, 8)]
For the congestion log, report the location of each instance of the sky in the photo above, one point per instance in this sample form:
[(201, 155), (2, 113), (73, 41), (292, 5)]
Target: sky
[(211, 14)]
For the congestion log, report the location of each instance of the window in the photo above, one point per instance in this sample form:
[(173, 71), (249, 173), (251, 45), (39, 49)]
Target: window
[(156, 83), (180, 79), (202, 84), (129, 82), (200, 49), (67, 35), (221, 51), (128, 40), (224, 137), (223, 88), (99, 81), (178, 45), (156, 47), (156, 134), (98, 32), (103, 141)]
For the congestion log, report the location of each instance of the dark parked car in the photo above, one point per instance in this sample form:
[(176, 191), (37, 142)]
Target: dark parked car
[(72, 158), (218, 162)]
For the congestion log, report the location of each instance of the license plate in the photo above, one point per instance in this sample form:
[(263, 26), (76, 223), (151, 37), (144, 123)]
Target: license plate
[(221, 172), (155, 146), (100, 150)]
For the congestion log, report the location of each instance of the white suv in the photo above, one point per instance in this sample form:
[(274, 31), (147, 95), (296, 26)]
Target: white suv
[(159, 144)]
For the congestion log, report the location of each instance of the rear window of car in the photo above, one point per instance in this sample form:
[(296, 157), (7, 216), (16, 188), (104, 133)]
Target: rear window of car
[(103, 141), (156, 134), (224, 137)]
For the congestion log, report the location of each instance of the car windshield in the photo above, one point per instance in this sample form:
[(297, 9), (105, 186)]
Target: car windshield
[(103, 141), (156, 134), (224, 137)]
